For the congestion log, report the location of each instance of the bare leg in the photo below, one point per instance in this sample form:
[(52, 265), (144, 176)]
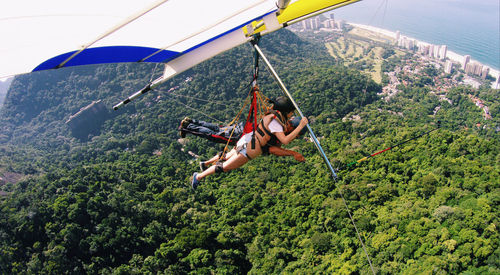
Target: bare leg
[(234, 162), (230, 154), (215, 158)]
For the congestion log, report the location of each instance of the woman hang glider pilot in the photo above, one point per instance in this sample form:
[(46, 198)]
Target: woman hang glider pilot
[(269, 134)]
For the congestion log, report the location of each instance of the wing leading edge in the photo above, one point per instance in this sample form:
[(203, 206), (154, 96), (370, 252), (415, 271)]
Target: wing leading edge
[(157, 34)]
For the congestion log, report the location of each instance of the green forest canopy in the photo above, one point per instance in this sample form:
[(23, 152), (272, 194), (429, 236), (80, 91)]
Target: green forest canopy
[(107, 204)]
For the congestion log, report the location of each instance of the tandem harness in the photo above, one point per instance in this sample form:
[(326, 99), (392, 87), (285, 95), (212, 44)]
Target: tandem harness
[(263, 129)]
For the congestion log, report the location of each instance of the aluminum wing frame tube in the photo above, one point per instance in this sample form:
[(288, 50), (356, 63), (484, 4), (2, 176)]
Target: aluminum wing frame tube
[(191, 58), (144, 90), (287, 93), (114, 29)]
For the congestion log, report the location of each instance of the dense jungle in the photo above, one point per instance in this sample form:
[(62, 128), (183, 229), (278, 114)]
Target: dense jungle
[(113, 196)]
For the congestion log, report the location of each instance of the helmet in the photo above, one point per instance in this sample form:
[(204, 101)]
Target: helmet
[(283, 104)]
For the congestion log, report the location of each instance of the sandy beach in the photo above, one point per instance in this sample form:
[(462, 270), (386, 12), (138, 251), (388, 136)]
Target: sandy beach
[(449, 54)]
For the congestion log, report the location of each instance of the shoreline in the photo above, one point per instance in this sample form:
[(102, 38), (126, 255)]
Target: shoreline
[(449, 54)]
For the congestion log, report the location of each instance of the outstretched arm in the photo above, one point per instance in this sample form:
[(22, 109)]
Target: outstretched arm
[(281, 152), (285, 139)]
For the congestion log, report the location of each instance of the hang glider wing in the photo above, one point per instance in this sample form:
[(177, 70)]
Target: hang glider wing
[(40, 35)]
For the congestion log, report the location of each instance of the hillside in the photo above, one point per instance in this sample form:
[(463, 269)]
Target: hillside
[(118, 200), (4, 87)]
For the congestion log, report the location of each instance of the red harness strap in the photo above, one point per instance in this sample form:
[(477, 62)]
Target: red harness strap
[(251, 122)]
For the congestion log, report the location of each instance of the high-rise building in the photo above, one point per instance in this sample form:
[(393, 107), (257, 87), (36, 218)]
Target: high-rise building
[(443, 51), (410, 44), (330, 24), (306, 24), (398, 35), (474, 68), (340, 24), (312, 23), (437, 49), (425, 49), (317, 22), (406, 43), (478, 69), (431, 50), (497, 83), (448, 67), (485, 72), (402, 42), (419, 48), (468, 68), (465, 61)]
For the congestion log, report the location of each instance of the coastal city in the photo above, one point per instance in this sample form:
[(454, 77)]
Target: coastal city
[(450, 69), (449, 61)]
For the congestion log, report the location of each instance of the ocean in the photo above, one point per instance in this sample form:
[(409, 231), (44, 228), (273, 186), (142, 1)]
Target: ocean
[(466, 26)]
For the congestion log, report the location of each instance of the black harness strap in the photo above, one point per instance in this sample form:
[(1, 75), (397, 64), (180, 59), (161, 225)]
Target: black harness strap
[(262, 129)]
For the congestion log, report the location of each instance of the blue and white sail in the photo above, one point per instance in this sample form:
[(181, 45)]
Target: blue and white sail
[(50, 34)]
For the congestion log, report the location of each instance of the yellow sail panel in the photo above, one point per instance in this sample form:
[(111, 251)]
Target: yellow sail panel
[(302, 8)]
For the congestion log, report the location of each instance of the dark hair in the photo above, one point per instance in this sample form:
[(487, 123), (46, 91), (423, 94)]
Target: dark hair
[(283, 104)]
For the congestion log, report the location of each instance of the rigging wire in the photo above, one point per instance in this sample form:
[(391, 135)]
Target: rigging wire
[(196, 110), (153, 72), (318, 146), (385, 10), (247, 101), (200, 99), (363, 159), (438, 126), (204, 100), (376, 12), (382, 3), (355, 227)]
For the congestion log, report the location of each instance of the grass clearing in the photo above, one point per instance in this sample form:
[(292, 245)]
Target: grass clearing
[(361, 47)]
